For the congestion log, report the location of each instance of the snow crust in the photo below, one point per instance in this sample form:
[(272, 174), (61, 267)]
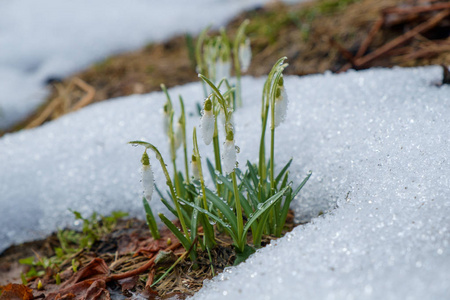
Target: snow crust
[(49, 39), (377, 142)]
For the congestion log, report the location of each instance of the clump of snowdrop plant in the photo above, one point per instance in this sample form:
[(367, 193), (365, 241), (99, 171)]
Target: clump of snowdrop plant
[(216, 55), (255, 200)]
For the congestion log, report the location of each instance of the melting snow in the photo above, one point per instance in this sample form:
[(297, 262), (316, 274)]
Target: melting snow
[(377, 142)]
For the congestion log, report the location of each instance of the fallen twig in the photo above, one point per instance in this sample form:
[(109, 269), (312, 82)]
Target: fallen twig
[(401, 39)]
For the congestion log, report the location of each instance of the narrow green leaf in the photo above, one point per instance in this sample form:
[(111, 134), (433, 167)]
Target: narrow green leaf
[(257, 234), (223, 208), (227, 227), (194, 221), (267, 205), (297, 190), (244, 203), (212, 171), (280, 175), (242, 256), (253, 172), (284, 211), (27, 261), (183, 240), (150, 219), (169, 207)]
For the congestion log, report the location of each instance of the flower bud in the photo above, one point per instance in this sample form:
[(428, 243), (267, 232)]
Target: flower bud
[(178, 138), (229, 154), (223, 68), (166, 119), (281, 103), (245, 55), (147, 177), (194, 168), (207, 122)]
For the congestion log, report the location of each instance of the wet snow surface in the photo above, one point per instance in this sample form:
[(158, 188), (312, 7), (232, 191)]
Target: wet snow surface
[(377, 142)]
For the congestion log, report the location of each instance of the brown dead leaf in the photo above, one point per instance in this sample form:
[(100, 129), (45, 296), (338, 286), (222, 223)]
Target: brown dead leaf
[(88, 283), (15, 291)]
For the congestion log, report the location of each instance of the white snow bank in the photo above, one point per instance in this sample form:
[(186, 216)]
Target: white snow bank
[(52, 38), (377, 142)]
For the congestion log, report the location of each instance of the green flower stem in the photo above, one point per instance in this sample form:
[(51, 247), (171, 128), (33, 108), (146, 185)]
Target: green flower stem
[(264, 116), (209, 238), (217, 160), (272, 97), (219, 96), (169, 184), (240, 221)]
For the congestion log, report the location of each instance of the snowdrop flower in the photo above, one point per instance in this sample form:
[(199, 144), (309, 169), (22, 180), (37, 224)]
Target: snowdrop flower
[(223, 68), (147, 177), (245, 55), (166, 119), (229, 154), (207, 122), (194, 168), (178, 138), (281, 103)]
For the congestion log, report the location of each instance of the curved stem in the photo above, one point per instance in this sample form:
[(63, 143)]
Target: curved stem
[(168, 182)]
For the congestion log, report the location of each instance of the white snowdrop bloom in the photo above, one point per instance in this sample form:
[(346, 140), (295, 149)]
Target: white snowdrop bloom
[(147, 177), (207, 122), (229, 156), (178, 136), (194, 168), (245, 55), (281, 104), (223, 69), (166, 120)]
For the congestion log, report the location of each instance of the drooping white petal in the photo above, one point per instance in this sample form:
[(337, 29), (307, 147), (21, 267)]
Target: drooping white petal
[(166, 122), (223, 69), (207, 125), (229, 156), (147, 181), (281, 104), (178, 136), (195, 170), (245, 55)]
